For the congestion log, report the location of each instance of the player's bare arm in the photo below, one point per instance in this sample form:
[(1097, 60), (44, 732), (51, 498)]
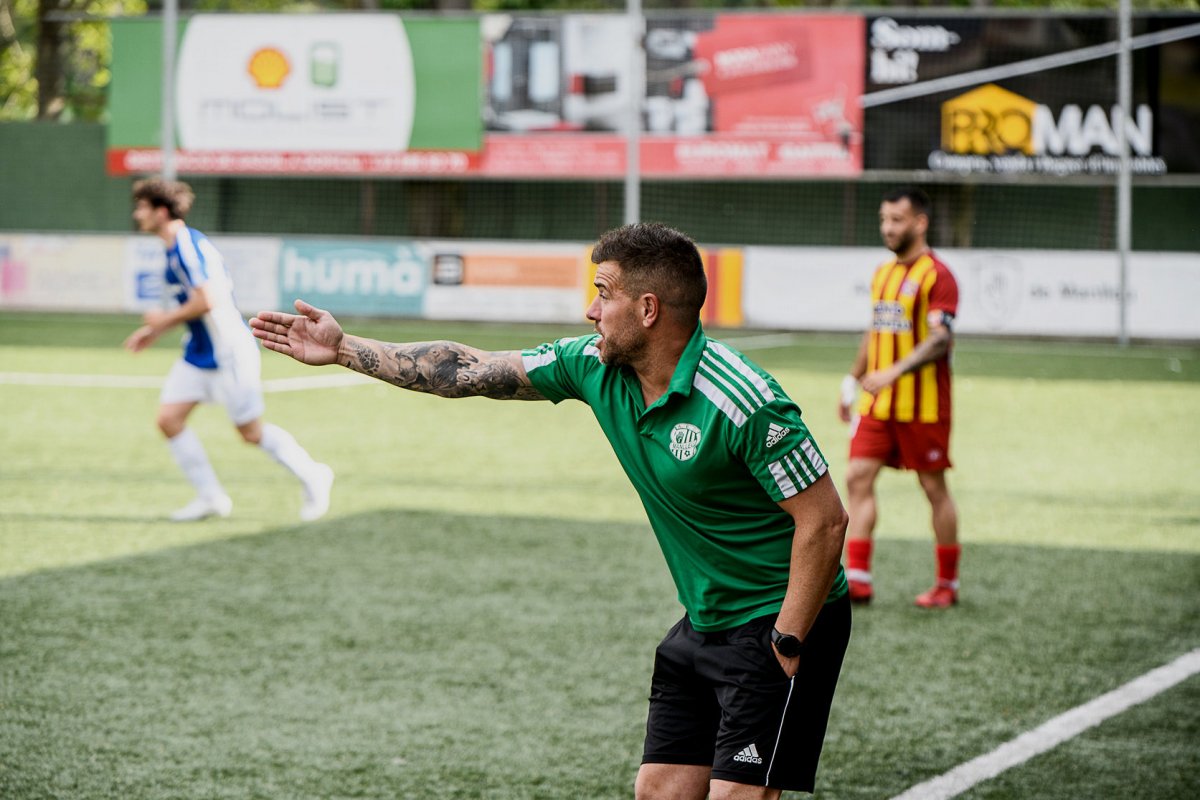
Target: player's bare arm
[(446, 369), (816, 553)]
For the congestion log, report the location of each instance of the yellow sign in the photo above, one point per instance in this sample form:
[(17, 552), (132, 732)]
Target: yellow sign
[(988, 120)]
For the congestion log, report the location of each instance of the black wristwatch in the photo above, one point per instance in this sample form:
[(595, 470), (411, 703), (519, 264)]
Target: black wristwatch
[(787, 645)]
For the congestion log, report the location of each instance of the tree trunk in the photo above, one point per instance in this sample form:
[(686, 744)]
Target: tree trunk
[(49, 70)]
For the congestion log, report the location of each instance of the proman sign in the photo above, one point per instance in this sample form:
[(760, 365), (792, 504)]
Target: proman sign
[(991, 129)]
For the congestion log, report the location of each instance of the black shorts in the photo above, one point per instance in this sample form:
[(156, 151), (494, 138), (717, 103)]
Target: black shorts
[(722, 700)]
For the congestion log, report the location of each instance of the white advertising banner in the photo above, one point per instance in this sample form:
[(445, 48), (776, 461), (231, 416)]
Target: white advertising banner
[(62, 272), (1001, 292), (270, 83), (252, 261)]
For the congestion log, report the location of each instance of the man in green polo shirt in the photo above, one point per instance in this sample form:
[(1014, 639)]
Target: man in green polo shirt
[(735, 488)]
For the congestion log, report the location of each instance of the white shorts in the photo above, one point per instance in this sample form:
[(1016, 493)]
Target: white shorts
[(237, 386)]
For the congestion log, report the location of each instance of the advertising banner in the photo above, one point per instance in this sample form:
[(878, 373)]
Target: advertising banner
[(1001, 292), (725, 96), (252, 261), (305, 93), (63, 272), (514, 282), (371, 278), (1057, 120)]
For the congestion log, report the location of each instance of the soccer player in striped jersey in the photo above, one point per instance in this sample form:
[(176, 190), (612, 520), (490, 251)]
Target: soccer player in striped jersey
[(901, 417), (221, 362), (735, 488)]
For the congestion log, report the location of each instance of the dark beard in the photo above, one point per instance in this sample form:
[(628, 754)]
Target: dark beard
[(903, 243)]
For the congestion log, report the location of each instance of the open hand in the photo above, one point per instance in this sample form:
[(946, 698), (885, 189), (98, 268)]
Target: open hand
[(313, 336)]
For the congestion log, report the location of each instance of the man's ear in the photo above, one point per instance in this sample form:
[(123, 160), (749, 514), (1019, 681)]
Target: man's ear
[(651, 308)]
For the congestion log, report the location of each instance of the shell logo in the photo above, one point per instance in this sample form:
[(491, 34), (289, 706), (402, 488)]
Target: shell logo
[(269, 67)]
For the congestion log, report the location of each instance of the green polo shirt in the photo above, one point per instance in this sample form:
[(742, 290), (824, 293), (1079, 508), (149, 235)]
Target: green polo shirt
[(710, 459)]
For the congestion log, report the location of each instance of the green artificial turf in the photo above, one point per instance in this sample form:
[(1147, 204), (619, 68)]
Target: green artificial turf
[(477, 615)]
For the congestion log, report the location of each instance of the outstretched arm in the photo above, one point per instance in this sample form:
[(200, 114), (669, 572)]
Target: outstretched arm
[(446, 369)]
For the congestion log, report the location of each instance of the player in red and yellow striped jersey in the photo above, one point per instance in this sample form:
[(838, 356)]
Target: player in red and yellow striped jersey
[(902, 415)]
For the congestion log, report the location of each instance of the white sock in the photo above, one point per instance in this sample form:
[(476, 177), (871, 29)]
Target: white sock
[(190, 456), (284, 448)]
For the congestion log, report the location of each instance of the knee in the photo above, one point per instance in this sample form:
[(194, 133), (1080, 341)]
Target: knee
[(170, 425), (860, 479)]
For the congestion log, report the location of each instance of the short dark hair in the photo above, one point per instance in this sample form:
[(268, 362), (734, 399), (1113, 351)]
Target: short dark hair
[(175, 196), (916, 197), (658, 260)]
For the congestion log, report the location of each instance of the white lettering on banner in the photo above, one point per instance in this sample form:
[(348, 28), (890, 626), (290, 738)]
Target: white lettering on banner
[(690, 151), (898, 67), (739, 62), (889, 34), (1061, 166), (795, 151), (896, 48), (1076, 133), (331, 274)]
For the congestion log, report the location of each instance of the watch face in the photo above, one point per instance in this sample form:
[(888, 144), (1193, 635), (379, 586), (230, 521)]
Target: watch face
[(787, 645)]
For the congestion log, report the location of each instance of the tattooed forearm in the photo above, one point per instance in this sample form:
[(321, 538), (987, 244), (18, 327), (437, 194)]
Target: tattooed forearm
[(447, 369)]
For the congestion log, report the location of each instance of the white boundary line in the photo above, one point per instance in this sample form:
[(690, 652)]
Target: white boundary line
[(1053, 733), (147, 382)]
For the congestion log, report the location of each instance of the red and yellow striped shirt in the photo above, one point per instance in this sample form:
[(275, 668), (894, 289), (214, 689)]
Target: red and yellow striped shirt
[(903, 296)]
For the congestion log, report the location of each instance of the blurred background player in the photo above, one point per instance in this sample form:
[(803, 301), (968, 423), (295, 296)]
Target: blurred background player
[(903, 412), (221, 360)]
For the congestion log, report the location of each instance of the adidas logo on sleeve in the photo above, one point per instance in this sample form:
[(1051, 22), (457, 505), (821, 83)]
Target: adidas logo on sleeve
[(775, 433), (749, 755)]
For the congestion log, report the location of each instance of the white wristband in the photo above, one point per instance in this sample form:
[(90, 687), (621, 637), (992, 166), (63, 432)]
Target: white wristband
[(849, 390)]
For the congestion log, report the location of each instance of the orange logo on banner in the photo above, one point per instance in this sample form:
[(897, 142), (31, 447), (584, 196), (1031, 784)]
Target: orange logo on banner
[(988, 120), (269, 68)]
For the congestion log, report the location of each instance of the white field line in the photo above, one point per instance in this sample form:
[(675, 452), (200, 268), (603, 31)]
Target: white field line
[(148, 382), (1058, 730)]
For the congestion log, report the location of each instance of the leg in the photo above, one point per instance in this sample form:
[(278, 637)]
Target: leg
[(317, 479), (672, 782), (944, 511), (944, 517), (241, 391), (681, 726), (724, 790), (861, 505), (186, 448), (172, 418)]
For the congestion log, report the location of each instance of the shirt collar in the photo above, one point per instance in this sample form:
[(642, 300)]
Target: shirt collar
[(681, 379)]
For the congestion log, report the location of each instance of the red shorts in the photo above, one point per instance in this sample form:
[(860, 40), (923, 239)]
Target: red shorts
[(920, 446)]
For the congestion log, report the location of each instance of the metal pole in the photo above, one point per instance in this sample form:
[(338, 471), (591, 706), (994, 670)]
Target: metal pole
[(633, 124), (167, 119), (1124, 182)]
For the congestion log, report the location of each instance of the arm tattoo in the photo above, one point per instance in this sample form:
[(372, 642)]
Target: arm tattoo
[(446, 369)]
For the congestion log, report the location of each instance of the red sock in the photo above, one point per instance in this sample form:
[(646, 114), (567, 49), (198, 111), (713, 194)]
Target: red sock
[(858, 555), (947, 564)]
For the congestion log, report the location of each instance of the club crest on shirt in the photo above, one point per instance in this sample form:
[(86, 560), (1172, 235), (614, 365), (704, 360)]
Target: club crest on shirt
[(685, 439)]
